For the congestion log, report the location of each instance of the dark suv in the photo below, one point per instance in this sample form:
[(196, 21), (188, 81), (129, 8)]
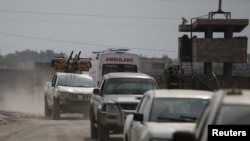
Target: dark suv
[(117, 96)]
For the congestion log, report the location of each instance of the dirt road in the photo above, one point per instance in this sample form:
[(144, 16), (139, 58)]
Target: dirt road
[(32, 128), (22, 119), (67, 129)]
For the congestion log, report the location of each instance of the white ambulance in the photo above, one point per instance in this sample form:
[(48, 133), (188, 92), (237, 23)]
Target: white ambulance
[(113, 60)]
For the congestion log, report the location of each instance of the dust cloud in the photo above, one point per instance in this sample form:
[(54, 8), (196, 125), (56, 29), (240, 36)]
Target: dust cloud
[(22, 100)]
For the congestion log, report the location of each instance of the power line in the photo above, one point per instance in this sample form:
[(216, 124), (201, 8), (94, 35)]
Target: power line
[(204, 1), (80, 43), (161, 50), (54, 40), (87, 15), (185, 1), (106, 24)]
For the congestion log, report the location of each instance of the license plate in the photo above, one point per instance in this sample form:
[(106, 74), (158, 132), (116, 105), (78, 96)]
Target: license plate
[(173, 83)]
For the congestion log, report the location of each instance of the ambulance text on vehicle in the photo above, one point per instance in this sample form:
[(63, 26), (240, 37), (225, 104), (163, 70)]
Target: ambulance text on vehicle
[(113, 60)]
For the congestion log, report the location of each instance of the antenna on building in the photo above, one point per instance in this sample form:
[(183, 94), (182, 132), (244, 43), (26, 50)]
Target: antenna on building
[(220, 11)]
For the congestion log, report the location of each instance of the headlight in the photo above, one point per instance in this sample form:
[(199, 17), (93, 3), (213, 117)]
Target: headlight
[(60, 93), (111, 108), (159, 139)]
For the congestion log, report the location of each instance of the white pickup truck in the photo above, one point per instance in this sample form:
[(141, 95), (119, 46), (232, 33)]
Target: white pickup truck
[(68, 93)]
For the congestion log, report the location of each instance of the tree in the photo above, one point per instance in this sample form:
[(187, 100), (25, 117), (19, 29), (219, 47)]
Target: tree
[(26, 57)]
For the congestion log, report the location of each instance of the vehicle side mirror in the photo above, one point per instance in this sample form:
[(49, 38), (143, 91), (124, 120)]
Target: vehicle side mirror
[(138, 117), (183, 136), (96, 91), (130, 116), (52, 84)]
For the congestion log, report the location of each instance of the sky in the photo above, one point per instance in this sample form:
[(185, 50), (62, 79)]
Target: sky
[(146, 27)]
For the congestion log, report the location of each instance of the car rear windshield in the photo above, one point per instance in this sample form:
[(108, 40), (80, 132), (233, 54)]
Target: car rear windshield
[(75, 81), (129, 86), (177, 109), (233, 114), (108, 68)]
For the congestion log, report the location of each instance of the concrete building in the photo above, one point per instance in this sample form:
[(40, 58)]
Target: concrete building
[(208, 50)]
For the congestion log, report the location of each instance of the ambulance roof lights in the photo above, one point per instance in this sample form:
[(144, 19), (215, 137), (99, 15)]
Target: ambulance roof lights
[(110, 50), (118, 49), (96, 52)]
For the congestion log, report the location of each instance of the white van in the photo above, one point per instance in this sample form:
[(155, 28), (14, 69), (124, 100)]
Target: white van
[(113, 60)]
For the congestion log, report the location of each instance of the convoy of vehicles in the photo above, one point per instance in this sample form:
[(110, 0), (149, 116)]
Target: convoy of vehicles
[(113, 60), (117, 95), (119, 99), (162, 112), (227, 107)]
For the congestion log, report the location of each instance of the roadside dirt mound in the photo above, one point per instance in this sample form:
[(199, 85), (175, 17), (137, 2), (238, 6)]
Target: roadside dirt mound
[(6, 120), (19, 100), (7, 117)]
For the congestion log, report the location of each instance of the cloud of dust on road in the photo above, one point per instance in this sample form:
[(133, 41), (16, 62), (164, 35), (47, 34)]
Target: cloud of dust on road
[(21, 100)]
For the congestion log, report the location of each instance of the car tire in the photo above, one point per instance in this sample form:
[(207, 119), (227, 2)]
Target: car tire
[(103, 132), (93, 129), (56, 109), (47, 111)]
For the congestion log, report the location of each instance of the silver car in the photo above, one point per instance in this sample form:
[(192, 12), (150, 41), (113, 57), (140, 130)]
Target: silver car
[(227, 107), (162, 112)]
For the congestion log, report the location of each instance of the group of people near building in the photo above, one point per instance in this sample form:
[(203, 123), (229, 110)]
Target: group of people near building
[(173, 77)]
